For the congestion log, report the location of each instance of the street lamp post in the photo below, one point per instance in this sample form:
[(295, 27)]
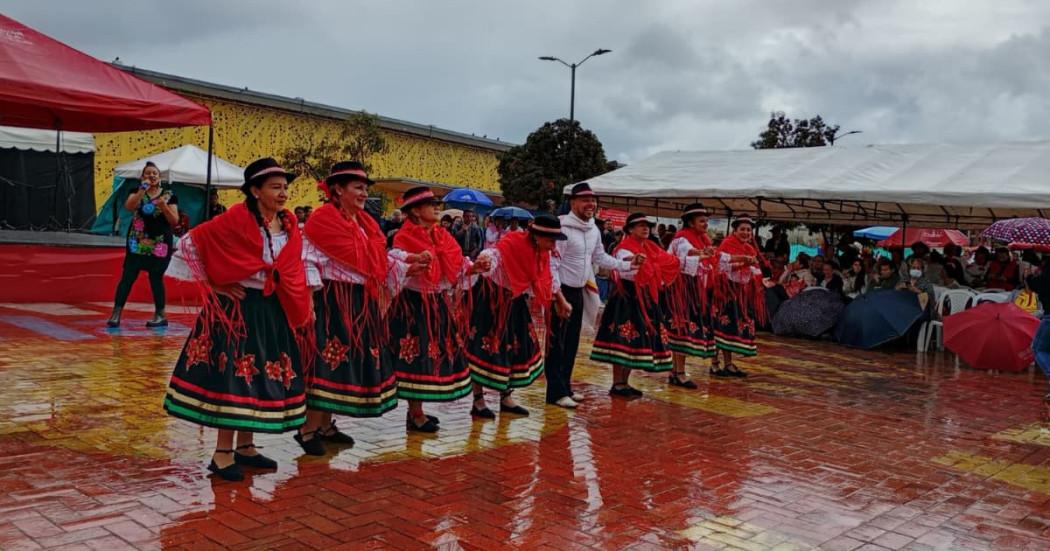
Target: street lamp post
[(837, 136), (572, 67)]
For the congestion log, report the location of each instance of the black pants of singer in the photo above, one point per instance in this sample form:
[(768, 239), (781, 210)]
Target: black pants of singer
[(565, 341), (154, 267)]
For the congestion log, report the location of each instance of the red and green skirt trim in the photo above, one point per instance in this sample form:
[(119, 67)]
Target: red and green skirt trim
[(250, 382), (425, 350), (646, 359), (348, 377), (633, 333), (502, 347), (734, 330)]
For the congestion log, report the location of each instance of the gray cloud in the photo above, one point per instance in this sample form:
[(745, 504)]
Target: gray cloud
[(682, 75)]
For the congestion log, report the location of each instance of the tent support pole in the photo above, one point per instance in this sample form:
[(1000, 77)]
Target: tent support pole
[(207, 178)]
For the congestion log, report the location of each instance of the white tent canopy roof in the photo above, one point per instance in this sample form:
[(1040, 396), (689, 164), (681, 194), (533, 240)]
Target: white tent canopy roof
[(187, 164), (939, 185), (45, 140)]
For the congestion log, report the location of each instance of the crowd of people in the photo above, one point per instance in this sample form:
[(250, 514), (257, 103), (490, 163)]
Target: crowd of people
[(335, 311), (331, 311)]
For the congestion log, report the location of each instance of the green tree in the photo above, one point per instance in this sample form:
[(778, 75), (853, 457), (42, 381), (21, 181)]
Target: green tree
[(554, 155), (360, 137), (782, 132)]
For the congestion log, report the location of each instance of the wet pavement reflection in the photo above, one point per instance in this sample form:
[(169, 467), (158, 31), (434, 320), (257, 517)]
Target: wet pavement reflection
[(822, 447)]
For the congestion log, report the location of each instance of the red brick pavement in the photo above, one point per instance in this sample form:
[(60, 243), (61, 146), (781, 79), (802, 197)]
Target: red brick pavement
[(821, 447)]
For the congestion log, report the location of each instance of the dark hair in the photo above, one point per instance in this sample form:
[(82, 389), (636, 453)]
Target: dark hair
[(919, 245), (885, 262), (148, 164), (252, 203)]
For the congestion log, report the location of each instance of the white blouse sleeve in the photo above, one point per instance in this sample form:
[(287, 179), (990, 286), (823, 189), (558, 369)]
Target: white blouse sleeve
[(185, 254), (621, 256), (312, 261), (681, 247)]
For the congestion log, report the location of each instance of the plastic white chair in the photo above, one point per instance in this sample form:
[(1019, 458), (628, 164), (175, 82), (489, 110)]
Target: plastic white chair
[(951, 302), (992, 296)]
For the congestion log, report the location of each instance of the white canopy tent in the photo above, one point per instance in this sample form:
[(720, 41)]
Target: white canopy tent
[(931, 185), (187, 164), (45, 140)]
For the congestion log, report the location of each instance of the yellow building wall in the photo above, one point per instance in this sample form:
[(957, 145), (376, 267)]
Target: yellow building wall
[(244, 133)]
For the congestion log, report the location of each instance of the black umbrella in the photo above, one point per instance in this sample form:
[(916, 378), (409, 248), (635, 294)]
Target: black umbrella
[(878, 317), (811, 313)]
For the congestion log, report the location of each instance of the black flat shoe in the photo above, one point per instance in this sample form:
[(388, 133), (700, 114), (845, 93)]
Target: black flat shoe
[(113, 322), (257, 461), (434, 419), (313, 446), (483, 413), (673, 380), (515, 410), (623, 392), (634, 391), (429, 427), (230, 472), (159, 321), (720, 373), (734, 371), (334, 435)]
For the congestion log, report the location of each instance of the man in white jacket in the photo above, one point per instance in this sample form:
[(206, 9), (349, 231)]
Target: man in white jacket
[(574, 266)]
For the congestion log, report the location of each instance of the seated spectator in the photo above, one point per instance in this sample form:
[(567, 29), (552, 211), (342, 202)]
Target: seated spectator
[(935, 273), (816, 267), (854, 280), (831, 279), (977, 269), (887, 276), (797, 275), (1003, 272), (954, 271), (917, 283)]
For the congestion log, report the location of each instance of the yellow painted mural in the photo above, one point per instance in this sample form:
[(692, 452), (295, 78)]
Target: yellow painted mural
[(244, 133)]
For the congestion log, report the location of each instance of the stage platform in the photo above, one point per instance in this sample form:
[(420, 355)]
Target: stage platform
[(40, 266)]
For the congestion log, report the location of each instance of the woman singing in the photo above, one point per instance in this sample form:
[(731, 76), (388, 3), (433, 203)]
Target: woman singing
[(149, 244)]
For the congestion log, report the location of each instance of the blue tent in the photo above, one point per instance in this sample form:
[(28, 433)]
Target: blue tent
[(876, 233)]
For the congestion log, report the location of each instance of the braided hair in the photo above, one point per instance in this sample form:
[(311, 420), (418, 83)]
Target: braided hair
[(252, 203)]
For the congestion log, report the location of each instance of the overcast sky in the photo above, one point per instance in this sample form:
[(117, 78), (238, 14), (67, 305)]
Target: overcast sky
[(682, 75)]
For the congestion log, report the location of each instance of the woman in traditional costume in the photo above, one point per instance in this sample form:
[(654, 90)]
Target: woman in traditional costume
[(346, 260), (691, 332), (738, 296), (503, 347), (241, 370), (633, 330), (428, 320)]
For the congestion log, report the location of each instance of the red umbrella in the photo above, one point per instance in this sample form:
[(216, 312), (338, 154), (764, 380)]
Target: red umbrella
[(931, 237), (992, 336)]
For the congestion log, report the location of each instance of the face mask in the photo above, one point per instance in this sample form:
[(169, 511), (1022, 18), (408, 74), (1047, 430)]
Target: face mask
[(915, 273)]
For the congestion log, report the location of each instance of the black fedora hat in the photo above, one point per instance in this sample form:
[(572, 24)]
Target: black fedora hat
[(545, 225), (261, 168), (743, 219), (345, 171), (637, 218), (695, 209), (420, 195), (582, 189)]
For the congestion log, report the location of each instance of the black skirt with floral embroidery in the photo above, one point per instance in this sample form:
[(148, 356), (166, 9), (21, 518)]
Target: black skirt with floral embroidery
[(631, 335), (502, 353), (348, 376), (248, 383), (425, 350)]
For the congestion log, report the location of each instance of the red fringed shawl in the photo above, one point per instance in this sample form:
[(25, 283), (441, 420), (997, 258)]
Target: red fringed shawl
[(446, 256), (524, 266), (697, 239), (355, 242), (749, 295), (660, 267), (229, 248)]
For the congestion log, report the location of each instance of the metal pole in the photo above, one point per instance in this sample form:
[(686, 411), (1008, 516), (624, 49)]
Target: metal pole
[(572, 96), (207, 178)]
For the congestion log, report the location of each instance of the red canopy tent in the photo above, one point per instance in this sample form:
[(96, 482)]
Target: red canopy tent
[(46, 84), (931, 237)]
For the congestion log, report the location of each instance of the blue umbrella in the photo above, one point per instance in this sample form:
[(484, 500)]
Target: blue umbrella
[(876, 233), (878, 317), (469, 196), (511, 212)]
